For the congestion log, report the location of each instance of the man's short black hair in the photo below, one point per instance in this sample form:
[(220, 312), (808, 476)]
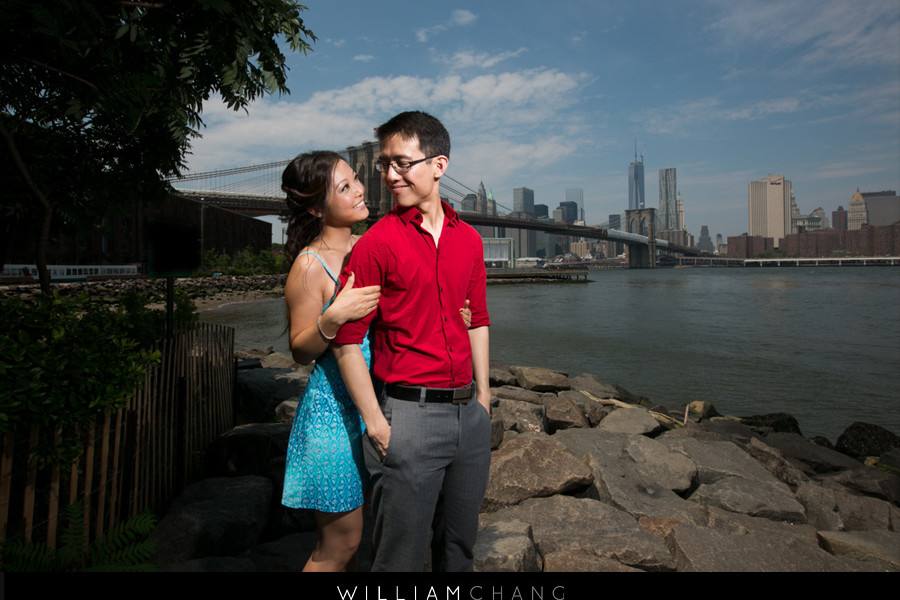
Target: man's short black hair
[(431, 133)]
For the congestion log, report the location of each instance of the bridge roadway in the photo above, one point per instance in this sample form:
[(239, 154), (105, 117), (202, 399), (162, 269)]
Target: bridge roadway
[(266, 205)]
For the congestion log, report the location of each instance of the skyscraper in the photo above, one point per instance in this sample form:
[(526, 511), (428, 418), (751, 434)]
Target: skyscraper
[(576, 195), (769, 207), (523, 200), (667, 215), (636, 183), (858, 214)]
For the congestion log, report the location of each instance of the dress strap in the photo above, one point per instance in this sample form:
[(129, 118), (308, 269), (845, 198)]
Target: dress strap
[(327, 270)]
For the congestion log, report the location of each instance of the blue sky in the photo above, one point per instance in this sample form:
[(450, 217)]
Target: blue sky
[(555, 95)]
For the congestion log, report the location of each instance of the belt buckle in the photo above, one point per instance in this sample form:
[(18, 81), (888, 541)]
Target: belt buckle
[(462, 400)]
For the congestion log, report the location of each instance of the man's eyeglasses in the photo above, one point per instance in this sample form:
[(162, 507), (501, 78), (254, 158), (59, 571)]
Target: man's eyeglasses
[(400, 166)]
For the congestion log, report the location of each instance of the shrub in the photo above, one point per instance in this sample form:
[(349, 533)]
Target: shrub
[(63, 364)]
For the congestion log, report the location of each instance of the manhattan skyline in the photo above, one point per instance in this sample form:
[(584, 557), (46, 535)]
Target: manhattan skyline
[(555, 97)]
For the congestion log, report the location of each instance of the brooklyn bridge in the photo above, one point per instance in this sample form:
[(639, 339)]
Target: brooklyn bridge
[(256, 190)]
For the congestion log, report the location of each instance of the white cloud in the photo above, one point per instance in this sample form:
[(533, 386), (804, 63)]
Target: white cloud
[(513, 106), (468, 59), (458, 18), (825, 34), (364, 57)]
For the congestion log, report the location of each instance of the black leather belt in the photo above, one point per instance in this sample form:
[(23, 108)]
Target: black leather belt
[(426, 394)]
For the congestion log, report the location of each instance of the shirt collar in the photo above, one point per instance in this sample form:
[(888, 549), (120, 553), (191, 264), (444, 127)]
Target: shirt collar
[(410, 214)]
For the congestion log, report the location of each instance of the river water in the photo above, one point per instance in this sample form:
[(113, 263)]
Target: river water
[(820, 343)]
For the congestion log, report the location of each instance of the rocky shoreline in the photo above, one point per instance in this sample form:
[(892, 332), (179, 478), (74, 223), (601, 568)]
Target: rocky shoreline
[(584, 477), (206, 292)]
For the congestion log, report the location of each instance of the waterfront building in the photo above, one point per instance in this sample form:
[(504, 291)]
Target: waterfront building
[(541, 211), (468, 203), (858, 215), (679, 212), (882, 208), (769, 207), (749, 246), (576, 195), (636, 183), (523, 200), (667, 215), (839, 219)]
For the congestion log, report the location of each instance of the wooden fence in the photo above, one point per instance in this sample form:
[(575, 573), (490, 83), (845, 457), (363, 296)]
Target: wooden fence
[(137, 458)]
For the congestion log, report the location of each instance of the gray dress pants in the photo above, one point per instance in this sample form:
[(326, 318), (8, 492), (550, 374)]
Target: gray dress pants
[(436, 450)]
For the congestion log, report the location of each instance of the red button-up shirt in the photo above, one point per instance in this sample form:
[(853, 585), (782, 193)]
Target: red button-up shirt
[(419, 338)]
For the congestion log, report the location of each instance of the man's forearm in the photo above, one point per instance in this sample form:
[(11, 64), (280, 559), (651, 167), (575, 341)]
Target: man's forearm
[(480, 340), (358, 382)]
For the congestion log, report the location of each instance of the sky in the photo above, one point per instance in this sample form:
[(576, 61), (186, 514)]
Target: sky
[(560, 95)]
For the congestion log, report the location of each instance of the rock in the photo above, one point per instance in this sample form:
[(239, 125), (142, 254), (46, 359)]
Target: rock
[(562, 413), (593, 411), (592, 384), (220, 516), (522, 417), (499, 375), (882, 548), (774, 462), (276, 360), (811, 458), (820, 506), (630, 420), (506, 546), (259, 391), (701, 410), (768, 499), (510, 392), (580, 561), (563, 523), (532, 465), (539, 379), (703, 549), (617, 483), (863, 513), (864, 439), (247, 449), (285, 411), (778, 422), (868, 482)]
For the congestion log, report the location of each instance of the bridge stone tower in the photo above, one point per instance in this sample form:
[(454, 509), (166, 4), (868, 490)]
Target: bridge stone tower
[(642, 221), (362, 160)]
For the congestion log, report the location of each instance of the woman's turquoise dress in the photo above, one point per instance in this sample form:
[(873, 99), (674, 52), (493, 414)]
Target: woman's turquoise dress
[(324, 468)]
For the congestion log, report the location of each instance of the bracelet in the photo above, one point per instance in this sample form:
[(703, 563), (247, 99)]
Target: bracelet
[(319, 325)]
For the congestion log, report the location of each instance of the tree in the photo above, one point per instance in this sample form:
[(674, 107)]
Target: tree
[(99, 99)]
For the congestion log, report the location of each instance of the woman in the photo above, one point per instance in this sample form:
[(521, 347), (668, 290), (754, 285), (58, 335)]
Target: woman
[(324, 468)]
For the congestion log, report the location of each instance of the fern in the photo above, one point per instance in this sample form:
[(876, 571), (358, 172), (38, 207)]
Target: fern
[(122, 548)]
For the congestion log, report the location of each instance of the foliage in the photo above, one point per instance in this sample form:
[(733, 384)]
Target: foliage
[(245, 262), (99, 100), (146, 325), (64, 364), (123, 548)]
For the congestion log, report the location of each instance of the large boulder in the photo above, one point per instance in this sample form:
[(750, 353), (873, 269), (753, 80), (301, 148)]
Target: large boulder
[(220, 516), (532, 465), (563, 523), (539, 379), (864, 439)]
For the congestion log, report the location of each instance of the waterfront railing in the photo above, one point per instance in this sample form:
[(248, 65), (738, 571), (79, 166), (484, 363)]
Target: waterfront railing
[(137, 458)]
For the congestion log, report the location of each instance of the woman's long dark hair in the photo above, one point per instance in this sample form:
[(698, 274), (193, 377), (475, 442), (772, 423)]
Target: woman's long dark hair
[(306, 181)]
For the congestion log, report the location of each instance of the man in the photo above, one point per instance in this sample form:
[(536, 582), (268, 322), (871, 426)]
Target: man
[(428, 426)]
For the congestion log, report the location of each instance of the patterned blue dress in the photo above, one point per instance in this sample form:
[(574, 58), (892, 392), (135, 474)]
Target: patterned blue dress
[(324, 468)]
